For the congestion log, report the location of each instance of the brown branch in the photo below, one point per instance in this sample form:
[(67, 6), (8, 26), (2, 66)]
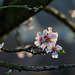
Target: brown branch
[(29, 49), (61, 17), (35, 68)]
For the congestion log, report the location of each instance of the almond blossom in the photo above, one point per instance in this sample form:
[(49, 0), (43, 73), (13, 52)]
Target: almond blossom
[(44, 39), (30, 27), (72, 12), (54, 50), (39, 39), (30, 19)]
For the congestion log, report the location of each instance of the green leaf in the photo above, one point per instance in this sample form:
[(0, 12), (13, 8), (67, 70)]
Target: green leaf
[(61, 51), (7, 73)]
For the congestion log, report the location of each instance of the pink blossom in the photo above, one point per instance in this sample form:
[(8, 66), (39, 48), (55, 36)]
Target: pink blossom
[(72, 12), (54, 50), (46, 38)]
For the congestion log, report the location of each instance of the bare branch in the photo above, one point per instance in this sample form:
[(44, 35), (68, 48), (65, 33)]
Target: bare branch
[(61, 17), (34, 68), (29, 49)]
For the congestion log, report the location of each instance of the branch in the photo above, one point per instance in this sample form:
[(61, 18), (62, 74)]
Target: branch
[(29, 49), (61, 17), (17, 15), (34, 68), (20, 6)]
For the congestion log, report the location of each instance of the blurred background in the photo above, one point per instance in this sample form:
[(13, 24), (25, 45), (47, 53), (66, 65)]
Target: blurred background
[(26, 36)]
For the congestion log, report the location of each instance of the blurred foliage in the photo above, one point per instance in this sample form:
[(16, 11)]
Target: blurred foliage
[(12, 17)]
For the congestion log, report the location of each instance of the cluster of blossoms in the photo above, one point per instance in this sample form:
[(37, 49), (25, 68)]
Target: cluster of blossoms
[(47, 41)]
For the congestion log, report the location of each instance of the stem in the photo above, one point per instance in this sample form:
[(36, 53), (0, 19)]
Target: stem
[(30, 50), (61, 17), (19, 6), (34, 68)]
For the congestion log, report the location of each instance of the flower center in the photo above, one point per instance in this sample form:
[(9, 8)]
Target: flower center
[(45, 36), (47, 39), (54, 49), (40, 39)]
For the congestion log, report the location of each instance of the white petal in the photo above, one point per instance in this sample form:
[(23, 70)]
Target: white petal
[(52, 44), (72, 13), (45, 32), (30, 19), (54, 55), (27, 46), (48, 45), (56, 33), (29, 54), (1, 45), (31, 28), (53, 35), (20, 55), (48, 50), (50, 29), (43, 39), (36, 43), (38, 33), (43, 46), (54, 40), (37, 37), (58, 47)]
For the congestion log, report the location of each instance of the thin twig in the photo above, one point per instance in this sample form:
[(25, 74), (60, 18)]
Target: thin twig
[(29, 49), (61, 17), (21, 6), (34, 68)]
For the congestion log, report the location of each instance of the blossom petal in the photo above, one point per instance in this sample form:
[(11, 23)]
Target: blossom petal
[(52, 44), (38, 33), (53, 35), (56, 33), (48, 45), (37, 37), (32, 27), (50, 30), (43, 46), (21, 54), (54, 40), (48, 50), (45, 32), (55, 55), (72, 12), (58, 47), (29, 54), (36, 43), (1, 45)]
